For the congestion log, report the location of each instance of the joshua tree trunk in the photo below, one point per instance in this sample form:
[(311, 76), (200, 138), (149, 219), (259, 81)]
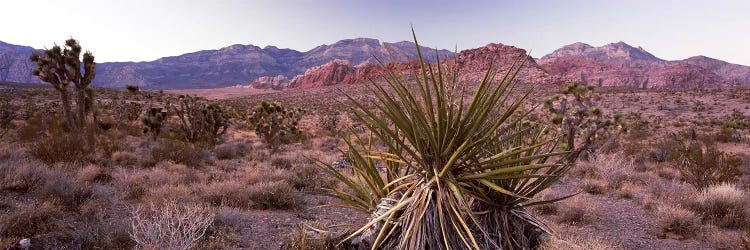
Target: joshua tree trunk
[(81, 105), (69, 116)]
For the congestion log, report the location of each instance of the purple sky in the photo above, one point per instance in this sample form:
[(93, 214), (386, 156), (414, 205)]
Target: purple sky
[(140, 30)]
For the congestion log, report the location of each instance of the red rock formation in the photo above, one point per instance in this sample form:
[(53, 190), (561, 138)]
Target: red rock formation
[(474, 63), (331, 73)]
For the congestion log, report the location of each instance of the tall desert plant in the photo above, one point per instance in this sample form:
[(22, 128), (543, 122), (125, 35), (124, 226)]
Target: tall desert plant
[(460, 171), (61, 66)]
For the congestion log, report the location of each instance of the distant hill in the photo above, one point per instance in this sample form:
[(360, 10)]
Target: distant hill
[(351, 60), (232, 65), (622, 65)]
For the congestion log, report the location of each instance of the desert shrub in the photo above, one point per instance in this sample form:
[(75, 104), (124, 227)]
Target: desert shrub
[(22, 176), (577, 243), (593, 186), (674, 219), (265, 174), (7, 115), (275, 124), (272, 195), (615, 168), (177, 152), (59, 148), (223, 233), (228, 193), (329, 144), (281, 163), (309, 177), (704, 167), (169, 225), (231, 150), (575, 211), (30, 221), (724, 204), (124, 158), (131, 88), (329, 123), (303, 239), (93, 173), (66, 191)]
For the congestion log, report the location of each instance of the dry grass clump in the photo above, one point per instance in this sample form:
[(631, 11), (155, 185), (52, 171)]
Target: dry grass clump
[(223, 232), (281, 163), (22, 176), (272, 195), (169, 225), (29, 221), (178, 152), (304, 239), (93, 173), (576, 211), (725, 205), (125, 158), (674, 220), (264, 174), (229, 193), (629, 191), (66, 191), (727, 240), (59, 148), (575, 243), (615, 168), (594, 186), (231, 150)]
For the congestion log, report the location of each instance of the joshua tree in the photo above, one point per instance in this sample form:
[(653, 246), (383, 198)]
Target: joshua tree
[(60, 66), (452, 175), (200, 122), (273, 122), (574, 110), (153, 121)]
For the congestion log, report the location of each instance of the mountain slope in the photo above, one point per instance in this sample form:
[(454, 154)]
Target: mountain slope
[(15, 65), (232, 65), (621, 65)]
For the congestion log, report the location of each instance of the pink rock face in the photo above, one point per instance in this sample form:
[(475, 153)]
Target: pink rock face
[(267, 82), (474, 63), (331, 73), (620, 65)]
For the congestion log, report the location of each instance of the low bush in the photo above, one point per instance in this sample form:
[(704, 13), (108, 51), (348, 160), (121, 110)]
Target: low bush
[(59, 148), (273, 195), (676, 220), (178, 152), (34, 220), (169, 225), (725, 205)]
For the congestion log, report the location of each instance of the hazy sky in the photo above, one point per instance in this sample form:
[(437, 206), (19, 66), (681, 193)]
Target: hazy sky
[(138, 30)]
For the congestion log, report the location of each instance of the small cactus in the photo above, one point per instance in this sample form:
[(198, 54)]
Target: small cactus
[(274, 124), (153, 121)]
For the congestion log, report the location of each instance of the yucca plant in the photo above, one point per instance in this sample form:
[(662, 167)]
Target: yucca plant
[(453, 171)]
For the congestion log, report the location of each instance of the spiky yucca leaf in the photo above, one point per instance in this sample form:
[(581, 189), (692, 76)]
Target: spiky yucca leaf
[(460, 169)]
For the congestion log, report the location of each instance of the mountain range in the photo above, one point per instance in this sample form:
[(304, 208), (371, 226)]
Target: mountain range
[(351, 60)]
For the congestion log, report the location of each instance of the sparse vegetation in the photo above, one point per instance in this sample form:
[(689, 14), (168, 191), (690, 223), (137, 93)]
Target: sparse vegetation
[(275, 124)]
